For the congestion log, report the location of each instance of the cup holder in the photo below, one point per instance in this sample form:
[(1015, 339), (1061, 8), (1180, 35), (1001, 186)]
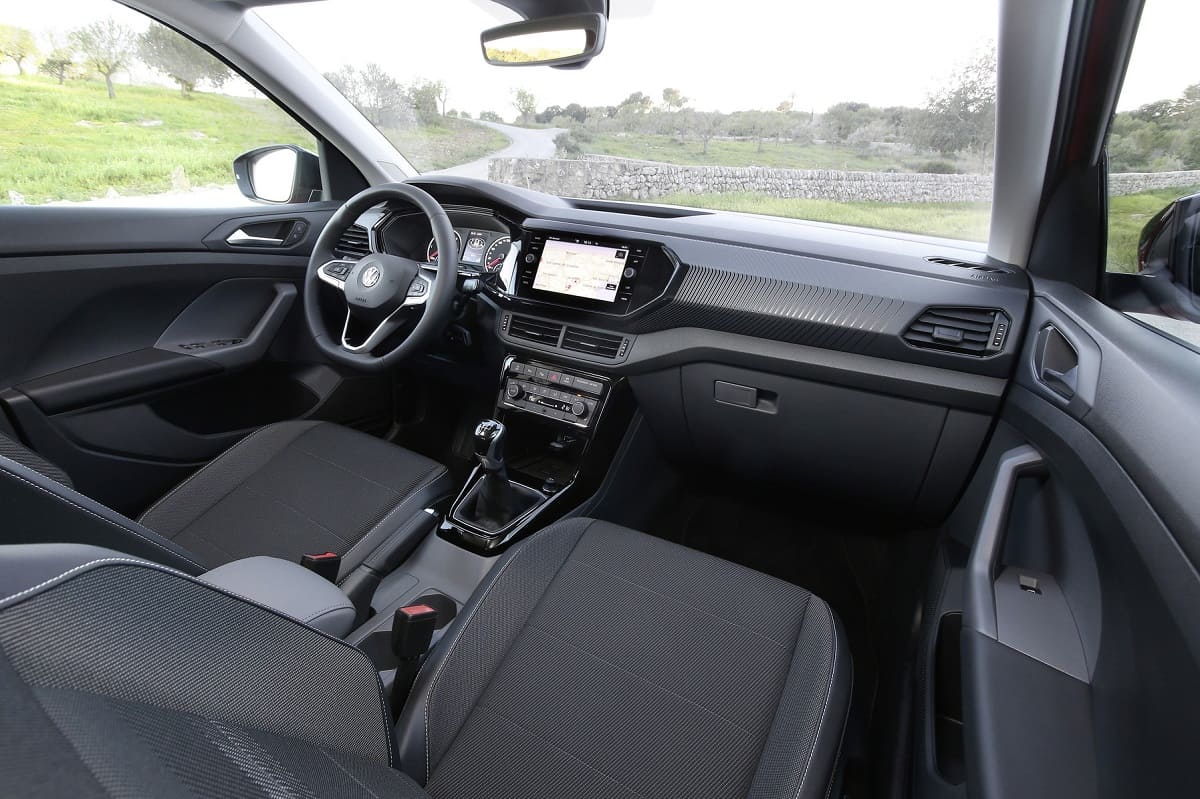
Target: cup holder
[(378, 645)]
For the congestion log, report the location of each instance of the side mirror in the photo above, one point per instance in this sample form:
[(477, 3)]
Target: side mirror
[(281, 173), (1168, 255), (563, 41)]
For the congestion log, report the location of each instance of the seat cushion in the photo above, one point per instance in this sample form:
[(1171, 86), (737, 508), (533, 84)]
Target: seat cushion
[(598, 661), (299, 487)]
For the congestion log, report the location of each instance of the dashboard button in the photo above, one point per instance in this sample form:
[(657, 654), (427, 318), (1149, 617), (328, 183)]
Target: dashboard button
[(630, 273)]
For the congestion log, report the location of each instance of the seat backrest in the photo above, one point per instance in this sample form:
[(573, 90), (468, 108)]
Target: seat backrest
[(39, 507)]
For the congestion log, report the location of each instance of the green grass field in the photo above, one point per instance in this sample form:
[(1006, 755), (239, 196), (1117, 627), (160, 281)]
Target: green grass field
[(774, 154), (1126, 218), (968, 221), (455, 141), (72, 143)]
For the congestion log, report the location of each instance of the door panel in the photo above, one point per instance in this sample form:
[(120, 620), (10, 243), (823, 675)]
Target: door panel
[(143, 343), (1080, 647)]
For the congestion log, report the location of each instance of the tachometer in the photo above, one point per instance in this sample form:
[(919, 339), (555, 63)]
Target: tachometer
[(431, 252), (496, 254)]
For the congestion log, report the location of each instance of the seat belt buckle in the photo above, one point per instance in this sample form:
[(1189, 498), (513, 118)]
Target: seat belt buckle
[(412, 631), (324, 564)]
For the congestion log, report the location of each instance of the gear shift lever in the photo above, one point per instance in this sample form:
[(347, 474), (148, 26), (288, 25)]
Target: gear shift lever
[(489, 445), (495, 493)]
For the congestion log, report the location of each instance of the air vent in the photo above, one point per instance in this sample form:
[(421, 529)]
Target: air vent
[(535, 330), (353, 243), (991, 270), (967, 331), (593, 343)]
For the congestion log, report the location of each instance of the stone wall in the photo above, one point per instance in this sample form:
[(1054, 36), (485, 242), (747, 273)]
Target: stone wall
[(604, 178)]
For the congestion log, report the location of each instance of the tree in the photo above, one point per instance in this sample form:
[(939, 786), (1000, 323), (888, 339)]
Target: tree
[(637, 103), (785, 107), (525, 103), (424, 97), (106, 47), (547, 114), (175, 56), (963, 115), (16, 44), (673, 99), (348, 83), (708, 124), (489, 116), (842, 119), (58, 64), (576, 112), (441, 94)]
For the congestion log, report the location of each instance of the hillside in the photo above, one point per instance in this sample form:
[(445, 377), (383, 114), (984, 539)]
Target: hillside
[(71, 142)]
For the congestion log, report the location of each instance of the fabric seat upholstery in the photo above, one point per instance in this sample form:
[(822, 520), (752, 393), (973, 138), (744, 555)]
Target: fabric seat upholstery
[(125, 679), (297, 487), (285, 490), (599, 661), (594, 661)]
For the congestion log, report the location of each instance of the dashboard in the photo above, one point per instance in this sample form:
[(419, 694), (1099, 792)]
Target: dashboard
[(856, 361)]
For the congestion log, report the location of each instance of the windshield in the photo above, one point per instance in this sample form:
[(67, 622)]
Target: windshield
[(878, 114)]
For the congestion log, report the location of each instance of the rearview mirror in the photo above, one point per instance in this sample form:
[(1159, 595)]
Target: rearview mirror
[(569, 40), (282, 173)]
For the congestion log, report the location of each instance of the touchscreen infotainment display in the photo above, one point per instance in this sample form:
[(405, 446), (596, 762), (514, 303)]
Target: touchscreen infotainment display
[(581, 270)]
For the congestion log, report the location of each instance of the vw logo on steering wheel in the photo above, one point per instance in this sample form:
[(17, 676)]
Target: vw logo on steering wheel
[(370, 276)]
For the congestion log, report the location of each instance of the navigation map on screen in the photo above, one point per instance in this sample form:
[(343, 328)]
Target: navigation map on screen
[(581, 270)]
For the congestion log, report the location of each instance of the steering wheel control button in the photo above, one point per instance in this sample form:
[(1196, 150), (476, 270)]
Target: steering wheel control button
[(419, 288)]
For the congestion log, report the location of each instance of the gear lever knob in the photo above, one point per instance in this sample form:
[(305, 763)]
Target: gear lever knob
[(489, 445)]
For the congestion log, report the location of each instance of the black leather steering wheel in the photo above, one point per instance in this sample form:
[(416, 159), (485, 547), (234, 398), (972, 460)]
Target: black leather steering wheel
[(381, 291)]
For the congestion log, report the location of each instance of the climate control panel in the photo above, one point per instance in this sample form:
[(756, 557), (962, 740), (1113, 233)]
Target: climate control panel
[(553, 393)]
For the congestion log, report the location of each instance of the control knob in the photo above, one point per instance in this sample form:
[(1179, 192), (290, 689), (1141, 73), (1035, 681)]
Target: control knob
[(579, 409), (513, 391)]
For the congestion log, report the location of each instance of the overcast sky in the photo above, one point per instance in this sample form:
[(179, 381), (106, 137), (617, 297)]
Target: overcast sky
[(725, 56)]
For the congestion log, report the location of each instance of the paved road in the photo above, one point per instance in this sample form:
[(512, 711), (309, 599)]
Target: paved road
[(524, 143)]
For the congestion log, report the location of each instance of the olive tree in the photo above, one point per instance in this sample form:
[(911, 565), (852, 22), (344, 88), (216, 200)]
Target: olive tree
[(177, 57), (16, 44), (106, 47)]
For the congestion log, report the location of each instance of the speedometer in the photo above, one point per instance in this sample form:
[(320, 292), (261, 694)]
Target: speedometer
[(431, 252), (496, 254)]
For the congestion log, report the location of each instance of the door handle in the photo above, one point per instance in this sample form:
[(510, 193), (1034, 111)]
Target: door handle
[(1056, 363), (283, 234), (240, 238)]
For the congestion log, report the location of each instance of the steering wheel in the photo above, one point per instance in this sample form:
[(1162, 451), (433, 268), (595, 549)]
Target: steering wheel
[(382, 292)]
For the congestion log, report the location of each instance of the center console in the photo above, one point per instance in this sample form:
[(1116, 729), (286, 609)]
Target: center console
[(548, 421), (567, 396)]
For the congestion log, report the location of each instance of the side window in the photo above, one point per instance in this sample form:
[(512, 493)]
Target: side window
[(100, 104), (1154, 174)]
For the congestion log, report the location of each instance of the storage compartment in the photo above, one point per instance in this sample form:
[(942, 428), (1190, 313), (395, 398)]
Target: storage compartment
[(885, 453), (947, 700), (263, 396)]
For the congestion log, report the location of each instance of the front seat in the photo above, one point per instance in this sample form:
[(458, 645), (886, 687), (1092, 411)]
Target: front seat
[(285, 490), (593, 661)]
